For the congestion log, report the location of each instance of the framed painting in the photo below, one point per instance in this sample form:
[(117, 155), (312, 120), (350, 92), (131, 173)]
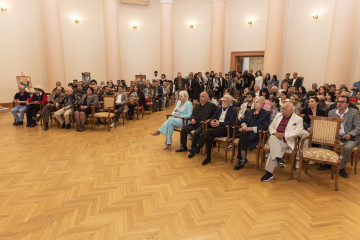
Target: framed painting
[(24, 81), (86, 76), (140, 77)]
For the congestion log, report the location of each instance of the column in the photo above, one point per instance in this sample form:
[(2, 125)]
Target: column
[(217, 35), (54, 52), (166, 38), (341, 42), (274, 37), (246, 63), (112, 40)]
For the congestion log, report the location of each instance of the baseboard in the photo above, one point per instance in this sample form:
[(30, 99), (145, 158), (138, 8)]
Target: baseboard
[(7, 105)]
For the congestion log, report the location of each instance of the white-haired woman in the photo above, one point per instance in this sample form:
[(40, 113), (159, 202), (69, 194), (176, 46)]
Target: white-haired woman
[(183, 109)]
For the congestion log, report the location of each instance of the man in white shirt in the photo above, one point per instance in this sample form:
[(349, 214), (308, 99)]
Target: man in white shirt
[(156, 77)]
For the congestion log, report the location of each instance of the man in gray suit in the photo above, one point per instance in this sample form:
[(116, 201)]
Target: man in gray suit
[(121, 100), (350, 128)]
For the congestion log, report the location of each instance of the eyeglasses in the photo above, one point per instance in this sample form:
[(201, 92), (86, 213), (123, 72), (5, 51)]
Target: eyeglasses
[(340, 102)]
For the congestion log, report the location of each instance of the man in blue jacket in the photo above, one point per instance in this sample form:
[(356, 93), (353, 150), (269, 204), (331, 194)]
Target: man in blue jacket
[(226, 115)]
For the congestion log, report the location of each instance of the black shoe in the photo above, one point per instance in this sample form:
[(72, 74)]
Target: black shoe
[(46, 126), (37, 119), (131, 118), (192, 152), (182, 149), (324, 167), (19, 123), (240, 164), (206, 161), (15, 123), (343, 173), (63, 125), (267, 177), (33, 124), (280, 163), (28, 125), (68, 126)]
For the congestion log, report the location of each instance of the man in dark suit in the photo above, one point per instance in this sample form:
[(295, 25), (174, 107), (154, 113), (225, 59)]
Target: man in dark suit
[(295, 81), (157, 98), (202, 112), (180, 84), (189, 86), (286, 79), (222, 85), (223, 116)]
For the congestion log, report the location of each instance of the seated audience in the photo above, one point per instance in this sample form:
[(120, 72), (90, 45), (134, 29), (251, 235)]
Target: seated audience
[(230, 92), (309, 94), (357, 98), (247, 106), (211, 97), (265, 93), (56, 98), (106, 91), (20, 98), (166, 93), (274, 108), (283, 98), (121, 101), (282, 130), (312, 110), (274, 81), (157, 97), (63, 114), (322, 105), (148, 92), (344, 94), (136, 98), (322, 91), (255, 120), (58, 84), (33, 105), (349, 133), (88, 100), (294, 99), (183, 109), (203, 111), (330, 98), (226, 115)]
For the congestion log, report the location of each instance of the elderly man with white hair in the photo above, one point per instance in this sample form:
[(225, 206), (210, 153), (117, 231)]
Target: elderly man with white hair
[(63, 114), (285, 126), (226, 115)]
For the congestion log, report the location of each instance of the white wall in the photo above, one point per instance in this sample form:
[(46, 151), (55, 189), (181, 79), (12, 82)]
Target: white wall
[(191, 46), (239, 36), (140, 48), (21, 46), (355, 66), (84, 43), (306, 41)]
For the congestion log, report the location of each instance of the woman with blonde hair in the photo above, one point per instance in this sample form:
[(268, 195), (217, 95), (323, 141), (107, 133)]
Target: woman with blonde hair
[(294, 99), (183, 109), (255, 120)]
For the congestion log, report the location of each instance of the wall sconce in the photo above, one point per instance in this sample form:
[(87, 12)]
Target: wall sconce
[(76, 19), (3, 8), (134, 26), (250, 22), (315, 16), (191, 25)]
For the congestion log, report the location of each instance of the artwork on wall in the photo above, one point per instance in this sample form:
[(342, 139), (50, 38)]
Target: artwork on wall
[(140, 77), (24, 81), (86, 76)]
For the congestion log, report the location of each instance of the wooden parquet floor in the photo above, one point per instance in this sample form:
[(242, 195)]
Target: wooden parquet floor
[(62, 184)]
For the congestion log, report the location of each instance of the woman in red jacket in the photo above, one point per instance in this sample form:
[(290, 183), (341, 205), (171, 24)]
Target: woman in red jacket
[(33, 105)]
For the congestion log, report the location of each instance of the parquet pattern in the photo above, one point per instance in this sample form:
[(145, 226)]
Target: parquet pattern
[(61, 184)]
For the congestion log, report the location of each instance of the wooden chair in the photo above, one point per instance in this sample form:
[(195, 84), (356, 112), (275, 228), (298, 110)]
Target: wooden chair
[(228, 137), (289, 154), (184, 120), (150, 106), (235, 143), (108, 112), (324, 132), (355, 156)]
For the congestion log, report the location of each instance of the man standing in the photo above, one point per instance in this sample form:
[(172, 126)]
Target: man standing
[(285, 126), (56, 98), (222, 85), (349, 133), (179, 83), (286, 79), (226, 115), (20, 98), (202, 112), (355, 88)]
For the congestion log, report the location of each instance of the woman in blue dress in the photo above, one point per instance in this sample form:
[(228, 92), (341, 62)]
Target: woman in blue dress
[(183, 109)]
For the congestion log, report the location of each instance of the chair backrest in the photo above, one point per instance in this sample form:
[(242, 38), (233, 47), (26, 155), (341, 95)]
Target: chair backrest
[(109, 101), (325, 130), (237, 114)]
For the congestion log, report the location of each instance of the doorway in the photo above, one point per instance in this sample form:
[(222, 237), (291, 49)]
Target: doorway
[(246, 60)]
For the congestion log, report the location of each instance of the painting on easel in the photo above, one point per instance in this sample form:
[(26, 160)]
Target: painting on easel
[(24, 81), (86, 76)]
